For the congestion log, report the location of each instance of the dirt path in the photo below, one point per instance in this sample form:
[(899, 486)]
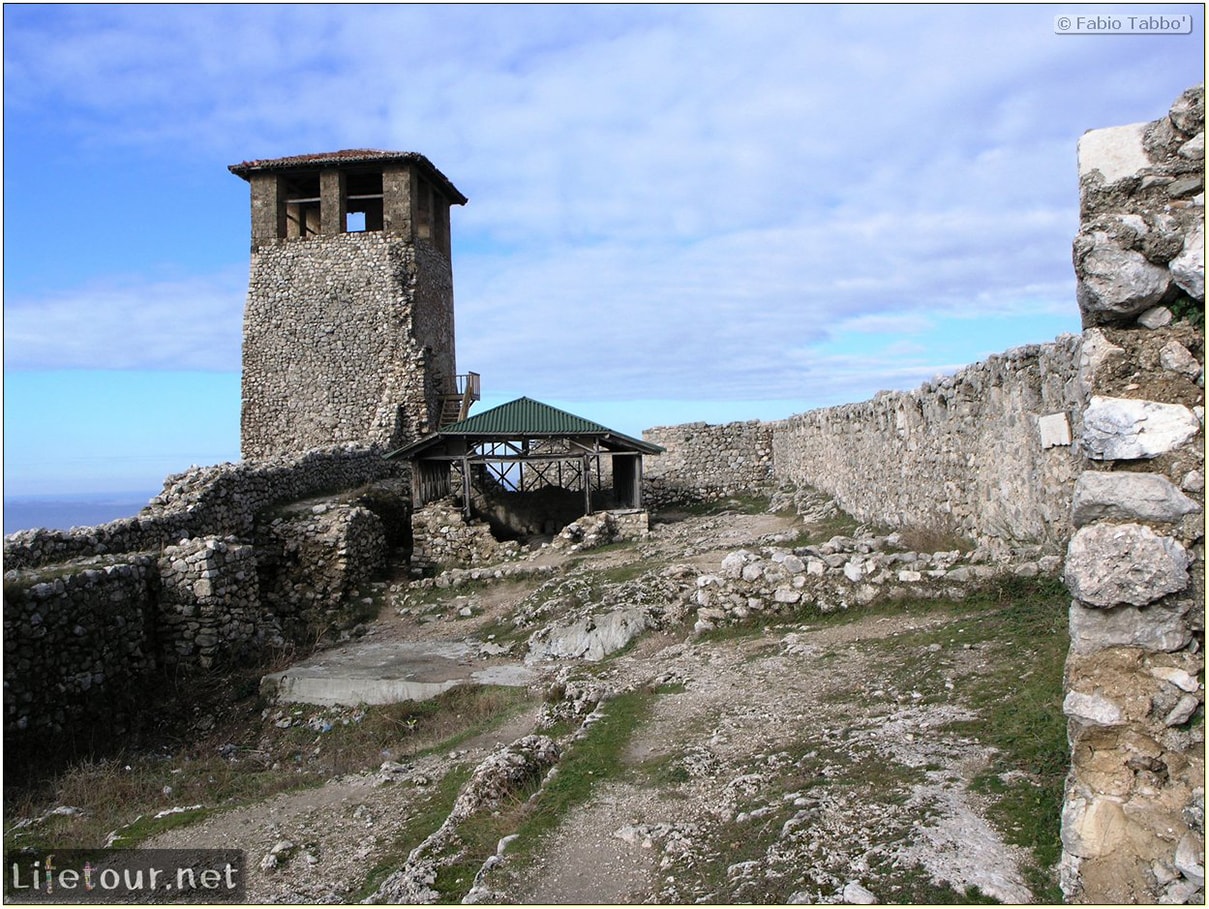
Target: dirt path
[(750, 737), (798, 764)]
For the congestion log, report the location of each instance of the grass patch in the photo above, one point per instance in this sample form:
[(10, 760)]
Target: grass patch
[(143, 828), (999, 652), (592, 760), (749, 503), (1020, 707), (837, 524), (124, 793), (933, 539), (1018, 700), (808, 616), (534, 815)]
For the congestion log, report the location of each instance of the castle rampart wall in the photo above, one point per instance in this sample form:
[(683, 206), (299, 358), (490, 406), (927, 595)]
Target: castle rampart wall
[(705, 461), (1092, 446), (226, 564), (986, 453), (208, 501)]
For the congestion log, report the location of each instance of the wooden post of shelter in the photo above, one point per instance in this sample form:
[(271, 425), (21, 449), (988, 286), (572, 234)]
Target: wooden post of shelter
[(587, 481), (466, 485)]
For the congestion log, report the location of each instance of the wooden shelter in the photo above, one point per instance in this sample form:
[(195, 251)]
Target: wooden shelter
[(525, 446)]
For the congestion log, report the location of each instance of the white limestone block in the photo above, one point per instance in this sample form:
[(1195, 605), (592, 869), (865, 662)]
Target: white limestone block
[(1092, 709), (1128, 495), (1129, 428), (1116, 152), (1116, 564)]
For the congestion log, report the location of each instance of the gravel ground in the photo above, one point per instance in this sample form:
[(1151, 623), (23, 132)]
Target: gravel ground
[(793, 764)]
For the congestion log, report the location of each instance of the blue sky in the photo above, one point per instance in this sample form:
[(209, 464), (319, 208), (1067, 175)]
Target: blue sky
[(688, 212)]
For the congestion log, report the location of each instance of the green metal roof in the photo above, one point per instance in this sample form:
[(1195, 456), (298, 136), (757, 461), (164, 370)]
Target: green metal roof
[(525, 418)]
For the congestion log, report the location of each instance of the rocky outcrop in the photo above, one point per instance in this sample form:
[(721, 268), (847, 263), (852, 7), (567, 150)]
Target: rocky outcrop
[(503, 775)]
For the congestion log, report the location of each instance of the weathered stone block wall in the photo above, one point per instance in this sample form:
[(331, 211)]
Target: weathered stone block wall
[(213, 571), (433, 312), (1133, 819), (845, 572), (315, 562), (442, 537), (77, 647), (209, 604), (705, 461), (223, 500), (343, 339), (985, 453)]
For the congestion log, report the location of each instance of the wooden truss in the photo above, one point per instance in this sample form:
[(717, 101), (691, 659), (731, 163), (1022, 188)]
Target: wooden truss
[(522, 465)]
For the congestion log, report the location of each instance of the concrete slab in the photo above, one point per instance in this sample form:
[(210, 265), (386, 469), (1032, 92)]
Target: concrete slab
[(387, 672)]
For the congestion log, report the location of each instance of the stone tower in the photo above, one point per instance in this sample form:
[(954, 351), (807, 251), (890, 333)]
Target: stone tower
[(348, 328)]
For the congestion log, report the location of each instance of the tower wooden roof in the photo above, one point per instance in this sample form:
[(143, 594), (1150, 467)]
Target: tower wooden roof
[(349, 157)]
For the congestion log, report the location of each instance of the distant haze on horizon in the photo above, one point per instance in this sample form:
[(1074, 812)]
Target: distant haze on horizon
[(677, 213)]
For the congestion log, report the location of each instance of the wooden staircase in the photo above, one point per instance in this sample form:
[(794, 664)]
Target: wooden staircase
[(456, 405)]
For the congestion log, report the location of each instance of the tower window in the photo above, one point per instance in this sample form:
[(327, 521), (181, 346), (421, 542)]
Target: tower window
[(302, 206), (364, 202)]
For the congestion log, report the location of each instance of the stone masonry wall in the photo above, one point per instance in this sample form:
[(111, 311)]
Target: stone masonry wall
[(77, 648), (315, 562), (208, 501), (442, 537), (209, 603), (220, 567), (335, 347), (704, 462), (1133, 818), (985, 453)]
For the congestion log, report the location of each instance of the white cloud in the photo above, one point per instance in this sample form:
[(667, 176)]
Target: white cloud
[(182, 324), (666, 201)]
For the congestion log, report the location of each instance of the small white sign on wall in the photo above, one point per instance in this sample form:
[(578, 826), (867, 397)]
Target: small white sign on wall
[(1054, 429)]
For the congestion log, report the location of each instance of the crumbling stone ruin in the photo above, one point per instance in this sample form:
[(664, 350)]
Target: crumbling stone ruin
[(227, 563), (1088, 451)]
